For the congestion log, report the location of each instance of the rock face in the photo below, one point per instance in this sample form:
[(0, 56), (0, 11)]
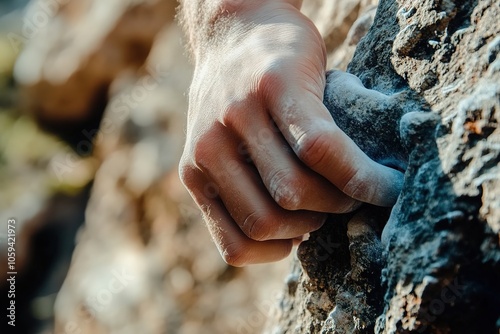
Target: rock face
[(341, 23), (73, 51), (334, 19), (429, 103)]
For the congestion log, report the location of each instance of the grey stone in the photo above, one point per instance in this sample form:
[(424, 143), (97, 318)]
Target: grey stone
[(427, 101)]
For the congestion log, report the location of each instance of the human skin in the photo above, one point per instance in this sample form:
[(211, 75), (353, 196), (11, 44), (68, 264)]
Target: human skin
[(263, 158)]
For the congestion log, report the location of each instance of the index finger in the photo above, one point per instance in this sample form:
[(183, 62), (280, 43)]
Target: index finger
[(314, 136)]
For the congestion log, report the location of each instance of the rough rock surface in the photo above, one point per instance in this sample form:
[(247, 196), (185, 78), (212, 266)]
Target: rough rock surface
[(334, 19), (431, 105), (341, 23), (73, 51)]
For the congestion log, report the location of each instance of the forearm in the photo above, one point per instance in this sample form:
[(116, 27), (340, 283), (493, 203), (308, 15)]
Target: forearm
[(206, 21)]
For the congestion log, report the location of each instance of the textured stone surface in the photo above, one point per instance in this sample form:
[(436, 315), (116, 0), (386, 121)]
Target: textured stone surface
[(341, 23), (336, 285), (431, 104), (334, 19), (73, 50)]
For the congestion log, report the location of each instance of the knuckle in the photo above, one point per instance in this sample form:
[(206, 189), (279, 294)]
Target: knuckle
[(235, 254), (231, 6), (204, 148), (270, 77), (257, 227), (233, 113), (312, 148), (188, 173), (287, 189)]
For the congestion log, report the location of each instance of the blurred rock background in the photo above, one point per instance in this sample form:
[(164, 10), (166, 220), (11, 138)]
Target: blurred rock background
[(92, 112)]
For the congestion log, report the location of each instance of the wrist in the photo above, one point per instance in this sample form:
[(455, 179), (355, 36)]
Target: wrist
[(237, 7), (208, 23)]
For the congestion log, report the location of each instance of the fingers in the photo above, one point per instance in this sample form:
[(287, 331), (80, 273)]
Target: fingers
[(258, 216), (235, 247), (292, 185), (321, 145), (245, 222), (248, 201)]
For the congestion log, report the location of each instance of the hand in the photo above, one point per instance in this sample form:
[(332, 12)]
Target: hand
[(264, 159)]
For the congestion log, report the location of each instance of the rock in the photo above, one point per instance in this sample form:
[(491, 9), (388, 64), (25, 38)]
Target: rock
[(44, 244), (342, 24), (334, 19), (377, 111), (435, 267), (47, 210), (338, 278), (73, 51)]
